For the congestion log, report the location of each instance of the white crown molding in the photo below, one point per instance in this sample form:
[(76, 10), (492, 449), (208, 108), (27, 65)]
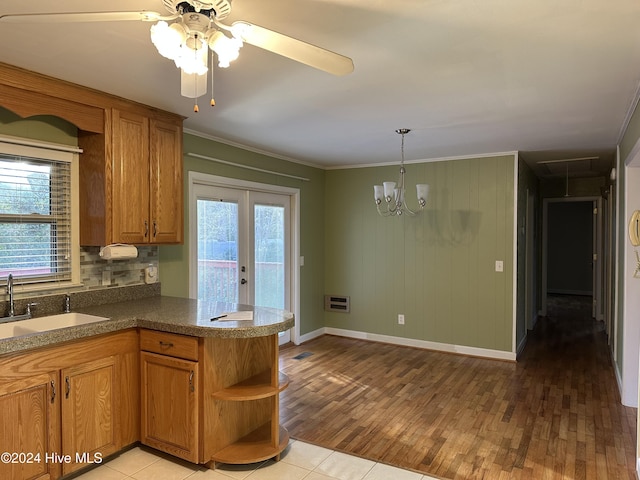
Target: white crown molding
[(250, 149), (340, 167), (424, 160)]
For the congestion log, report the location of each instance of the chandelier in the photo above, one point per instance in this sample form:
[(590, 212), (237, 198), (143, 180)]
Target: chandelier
[(394, 194)]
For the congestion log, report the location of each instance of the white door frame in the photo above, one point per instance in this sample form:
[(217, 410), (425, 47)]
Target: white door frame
[(199, 178)]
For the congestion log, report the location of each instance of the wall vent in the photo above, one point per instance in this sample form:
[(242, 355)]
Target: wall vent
[(336, 303)]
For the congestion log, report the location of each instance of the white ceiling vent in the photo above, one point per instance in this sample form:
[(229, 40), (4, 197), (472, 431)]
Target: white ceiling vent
[(336, 303)]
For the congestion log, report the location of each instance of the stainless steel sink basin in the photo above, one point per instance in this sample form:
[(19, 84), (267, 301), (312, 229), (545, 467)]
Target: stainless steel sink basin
[(45, 324)]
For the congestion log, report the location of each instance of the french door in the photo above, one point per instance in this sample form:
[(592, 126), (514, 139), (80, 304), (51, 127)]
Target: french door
[(243, 247)]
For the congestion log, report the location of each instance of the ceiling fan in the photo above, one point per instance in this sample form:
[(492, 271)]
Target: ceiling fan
[(196, 30)]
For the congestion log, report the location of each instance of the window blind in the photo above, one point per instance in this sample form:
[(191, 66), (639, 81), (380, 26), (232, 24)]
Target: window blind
[(35, 219)]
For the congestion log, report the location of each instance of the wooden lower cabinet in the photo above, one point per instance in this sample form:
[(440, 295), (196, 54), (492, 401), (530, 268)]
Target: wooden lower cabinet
[(169, 413), (205, 400), (241, 393), (29, 426), (89, 406), (210, 399), (65, 407)]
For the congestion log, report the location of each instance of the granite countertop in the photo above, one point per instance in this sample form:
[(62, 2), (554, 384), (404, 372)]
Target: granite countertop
[(168, 314)]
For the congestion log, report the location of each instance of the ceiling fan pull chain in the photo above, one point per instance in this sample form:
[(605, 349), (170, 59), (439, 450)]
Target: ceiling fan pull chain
[(195, 77), (213, 102)]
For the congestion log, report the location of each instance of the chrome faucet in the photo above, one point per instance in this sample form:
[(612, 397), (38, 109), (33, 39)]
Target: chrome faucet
[(12, 317), (10, 293)]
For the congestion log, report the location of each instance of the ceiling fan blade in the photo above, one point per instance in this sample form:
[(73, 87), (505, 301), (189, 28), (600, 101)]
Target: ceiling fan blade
[(294, 49), (81, 17)]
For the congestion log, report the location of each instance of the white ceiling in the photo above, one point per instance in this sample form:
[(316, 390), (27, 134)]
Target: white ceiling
[(556, 78)]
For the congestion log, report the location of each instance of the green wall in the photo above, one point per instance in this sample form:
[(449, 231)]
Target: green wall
[(437, 268), (41, 127), (174, 260)]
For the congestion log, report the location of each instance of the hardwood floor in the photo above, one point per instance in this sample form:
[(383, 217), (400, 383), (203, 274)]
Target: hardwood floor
[(555, 414)]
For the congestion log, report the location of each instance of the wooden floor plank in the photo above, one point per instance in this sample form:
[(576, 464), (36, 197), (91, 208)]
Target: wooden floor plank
[(556, 413)]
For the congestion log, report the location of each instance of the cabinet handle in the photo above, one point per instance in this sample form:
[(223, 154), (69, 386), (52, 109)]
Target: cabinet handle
[(146, 229), (166, 344), (53, 391), (68, 385), (191, 386), (155, 229)]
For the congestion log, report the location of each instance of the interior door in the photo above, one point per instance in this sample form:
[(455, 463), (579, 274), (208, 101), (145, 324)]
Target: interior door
[(244, 242)]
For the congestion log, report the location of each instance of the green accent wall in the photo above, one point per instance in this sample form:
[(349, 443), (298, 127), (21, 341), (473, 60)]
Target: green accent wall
[(174, 260), (44, 128), (437, 268)]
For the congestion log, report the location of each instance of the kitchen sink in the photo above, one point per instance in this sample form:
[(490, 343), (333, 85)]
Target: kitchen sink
[(45, 324)]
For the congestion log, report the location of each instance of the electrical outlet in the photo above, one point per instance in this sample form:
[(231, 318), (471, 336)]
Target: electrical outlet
[(499, 266), (400, 319)]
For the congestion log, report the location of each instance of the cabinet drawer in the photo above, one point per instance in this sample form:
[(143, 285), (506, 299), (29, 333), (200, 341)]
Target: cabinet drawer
[(181, 346)]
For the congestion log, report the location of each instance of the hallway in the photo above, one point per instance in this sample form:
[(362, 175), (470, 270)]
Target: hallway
[(556, 413)]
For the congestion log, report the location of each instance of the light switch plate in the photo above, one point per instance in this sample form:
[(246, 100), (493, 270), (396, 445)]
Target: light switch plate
[(499, 266)]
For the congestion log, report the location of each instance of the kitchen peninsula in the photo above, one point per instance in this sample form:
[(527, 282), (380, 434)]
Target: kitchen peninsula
[(158, 371)]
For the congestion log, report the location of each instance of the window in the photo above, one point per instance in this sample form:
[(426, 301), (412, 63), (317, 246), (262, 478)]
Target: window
[(36, 228)]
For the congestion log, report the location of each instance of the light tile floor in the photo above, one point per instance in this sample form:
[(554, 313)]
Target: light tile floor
[(299, 461)]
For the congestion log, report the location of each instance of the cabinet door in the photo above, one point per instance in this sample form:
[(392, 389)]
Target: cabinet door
[(130, 176), (166, 182), (29, 427), (169, 410), (89, 412)]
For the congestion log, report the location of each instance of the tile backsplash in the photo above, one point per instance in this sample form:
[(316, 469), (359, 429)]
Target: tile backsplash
[(98, 273), (123, 280)]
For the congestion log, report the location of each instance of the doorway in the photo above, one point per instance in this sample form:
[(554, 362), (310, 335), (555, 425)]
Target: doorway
[(571, 250), (242, 243)]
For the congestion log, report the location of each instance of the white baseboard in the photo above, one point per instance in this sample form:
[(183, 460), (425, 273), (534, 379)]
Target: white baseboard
[(410, 342), (309, 336)]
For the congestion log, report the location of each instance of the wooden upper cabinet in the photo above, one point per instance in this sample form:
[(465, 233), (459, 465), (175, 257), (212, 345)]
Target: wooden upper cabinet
[(131, 165), (166, 182), (131, 180), (130, 187)]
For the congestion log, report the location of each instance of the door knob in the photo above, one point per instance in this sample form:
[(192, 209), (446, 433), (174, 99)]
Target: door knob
[(243, 281)]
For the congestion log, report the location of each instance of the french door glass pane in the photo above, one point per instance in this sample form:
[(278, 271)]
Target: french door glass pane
[(269, 256), (217, 251)]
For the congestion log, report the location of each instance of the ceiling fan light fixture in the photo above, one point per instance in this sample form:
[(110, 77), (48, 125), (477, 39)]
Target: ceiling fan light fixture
[(227, 49), (168, 39), (192, 60), (192, 28), (192, 85)]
